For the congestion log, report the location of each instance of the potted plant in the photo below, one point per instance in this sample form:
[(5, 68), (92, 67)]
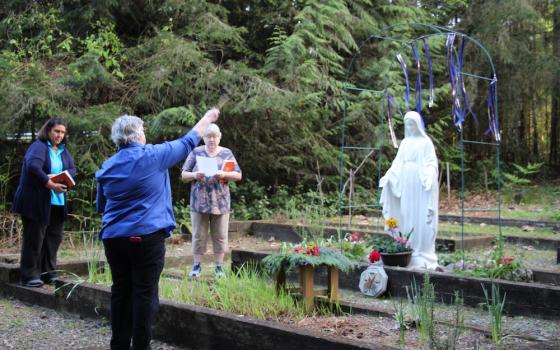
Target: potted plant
[(393, 248)]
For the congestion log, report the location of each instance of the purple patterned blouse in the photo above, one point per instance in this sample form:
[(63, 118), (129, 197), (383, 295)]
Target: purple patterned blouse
[(212, 196)]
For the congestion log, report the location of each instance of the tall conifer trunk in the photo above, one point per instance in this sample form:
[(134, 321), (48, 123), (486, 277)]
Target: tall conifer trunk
[(555, 112)]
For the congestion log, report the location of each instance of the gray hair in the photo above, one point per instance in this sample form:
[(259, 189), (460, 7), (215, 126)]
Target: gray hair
[(212, 129), (126, 129)]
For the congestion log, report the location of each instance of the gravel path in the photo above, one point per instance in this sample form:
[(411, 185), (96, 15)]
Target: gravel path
[(33, 327)]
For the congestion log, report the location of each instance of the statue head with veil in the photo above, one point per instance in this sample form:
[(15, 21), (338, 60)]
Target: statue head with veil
[(410, 191)]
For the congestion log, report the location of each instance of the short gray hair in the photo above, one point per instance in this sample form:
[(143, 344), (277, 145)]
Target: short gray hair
[(212, 129), (126, 129)]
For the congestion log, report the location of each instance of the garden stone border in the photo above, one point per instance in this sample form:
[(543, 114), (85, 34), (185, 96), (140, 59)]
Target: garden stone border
[(288, 233), (533, 299), (555, 225)]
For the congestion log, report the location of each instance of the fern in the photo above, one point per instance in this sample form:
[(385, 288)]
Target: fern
[(291, 259)]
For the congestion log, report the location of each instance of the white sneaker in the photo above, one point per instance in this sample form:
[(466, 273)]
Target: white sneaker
[(219, 271), (195, 272)]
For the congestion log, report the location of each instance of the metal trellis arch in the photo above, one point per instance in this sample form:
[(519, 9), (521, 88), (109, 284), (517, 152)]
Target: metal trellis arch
[(387, 100)]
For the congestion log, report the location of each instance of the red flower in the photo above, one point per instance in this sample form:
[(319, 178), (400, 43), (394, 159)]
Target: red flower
[(308, 252), (354, 237), (506, 260), (374, 256)]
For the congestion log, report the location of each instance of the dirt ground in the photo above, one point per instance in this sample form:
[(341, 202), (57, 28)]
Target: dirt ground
[(374, 330), (366, 329)]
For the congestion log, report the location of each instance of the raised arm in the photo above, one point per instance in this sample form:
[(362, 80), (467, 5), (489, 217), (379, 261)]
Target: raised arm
[(170, 153), (209, 117)]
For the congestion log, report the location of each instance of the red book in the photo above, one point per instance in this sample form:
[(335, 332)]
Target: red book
[(229, 165), (65, 178)]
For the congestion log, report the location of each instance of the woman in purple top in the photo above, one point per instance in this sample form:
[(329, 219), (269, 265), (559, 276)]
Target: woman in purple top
[(210, 198)]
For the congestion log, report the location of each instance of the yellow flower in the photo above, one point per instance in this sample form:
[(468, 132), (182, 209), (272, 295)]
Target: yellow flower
[(392, 223)]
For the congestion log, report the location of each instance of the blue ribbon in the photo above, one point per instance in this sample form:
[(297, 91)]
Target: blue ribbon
[(451, 68), (391, 101), (463, 89), (492, 122), (418, 80), (429, 57), (403, 66), (459, 84)]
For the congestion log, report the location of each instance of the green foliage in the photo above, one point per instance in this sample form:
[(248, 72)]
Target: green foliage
[(422, 307), (498, 266), (106, 47), (495, 304), (250, 201), (399, 316), (7, 173), (354, 250), (284, 66), (302, 254), (36, 32), (171, 122), (450, 341), (521, 174), (182, 213), (245, 292), (99, 271)]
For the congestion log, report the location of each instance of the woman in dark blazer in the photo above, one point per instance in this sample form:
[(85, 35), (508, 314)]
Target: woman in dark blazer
[(42, 203)]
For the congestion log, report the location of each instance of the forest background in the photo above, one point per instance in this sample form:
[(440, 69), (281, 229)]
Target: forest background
[(283, 64)]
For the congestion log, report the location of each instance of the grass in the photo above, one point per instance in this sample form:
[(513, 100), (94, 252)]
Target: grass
[(495, 304), (245, 292), (454, 230), (399, 315), (421, 302)]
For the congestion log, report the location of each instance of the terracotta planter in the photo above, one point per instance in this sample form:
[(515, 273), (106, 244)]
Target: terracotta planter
[(401, 259)]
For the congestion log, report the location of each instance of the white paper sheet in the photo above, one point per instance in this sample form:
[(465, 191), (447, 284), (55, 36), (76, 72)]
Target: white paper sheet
[(207, 165)]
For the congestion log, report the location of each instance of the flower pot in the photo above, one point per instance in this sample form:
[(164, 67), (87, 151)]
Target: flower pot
[(401, 259)]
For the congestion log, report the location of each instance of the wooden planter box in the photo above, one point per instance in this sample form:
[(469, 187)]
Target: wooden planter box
[(306, 285)]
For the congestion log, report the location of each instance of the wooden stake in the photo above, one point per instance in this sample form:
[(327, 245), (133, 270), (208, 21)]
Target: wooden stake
[(448, 184), (332, 290), (306, 281)]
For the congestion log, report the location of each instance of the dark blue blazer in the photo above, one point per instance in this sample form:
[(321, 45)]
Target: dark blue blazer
[(32, 199)]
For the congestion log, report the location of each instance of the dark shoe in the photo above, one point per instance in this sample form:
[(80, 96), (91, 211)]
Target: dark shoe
[(33, 283), (50, 280)]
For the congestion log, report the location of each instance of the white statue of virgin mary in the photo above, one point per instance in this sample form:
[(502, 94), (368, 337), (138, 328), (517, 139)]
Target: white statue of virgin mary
[(410, 192)]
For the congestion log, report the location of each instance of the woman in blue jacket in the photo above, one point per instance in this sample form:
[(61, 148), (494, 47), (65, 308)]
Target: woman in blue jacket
[(42, 203)]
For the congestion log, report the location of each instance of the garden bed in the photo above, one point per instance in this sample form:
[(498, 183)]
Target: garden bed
[(288, 233), (203, 328), (522, 298)]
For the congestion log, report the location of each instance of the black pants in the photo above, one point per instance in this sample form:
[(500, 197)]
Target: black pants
[(39, 246), (136, 267)]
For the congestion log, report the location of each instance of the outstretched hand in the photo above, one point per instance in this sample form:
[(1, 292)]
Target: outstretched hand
[(209, 117), (212, 115)]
